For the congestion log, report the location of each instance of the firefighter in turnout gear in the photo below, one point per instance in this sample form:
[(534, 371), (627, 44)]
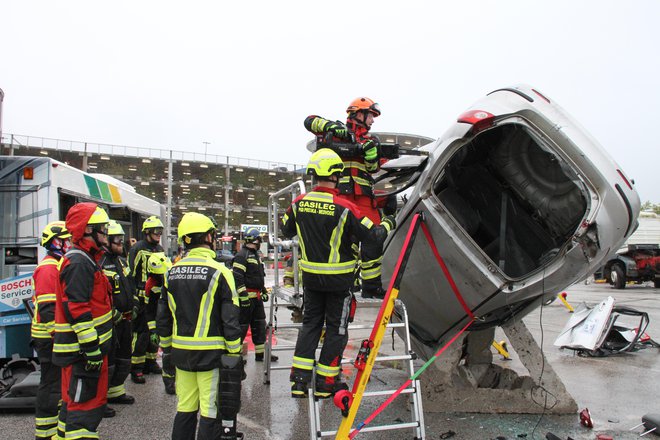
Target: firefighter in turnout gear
[(356, 178), (157, 267), (119, 359), (83, 324), (356, 181), (329, 229), (144, 351), (198, 317), (57, 241), (249, 276)]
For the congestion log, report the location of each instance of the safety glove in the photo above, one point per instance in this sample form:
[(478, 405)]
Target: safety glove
[(264, 295), (370, 150), (154, 338), (390, 205), (93, 360), (389, 222), (244, 300), (116, 316), (339, 131)]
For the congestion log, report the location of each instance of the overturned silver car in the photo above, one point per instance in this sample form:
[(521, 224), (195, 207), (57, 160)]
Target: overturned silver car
[(521, 202)]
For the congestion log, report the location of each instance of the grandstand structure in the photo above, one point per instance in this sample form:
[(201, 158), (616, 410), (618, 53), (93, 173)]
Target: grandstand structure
[(233, 190)]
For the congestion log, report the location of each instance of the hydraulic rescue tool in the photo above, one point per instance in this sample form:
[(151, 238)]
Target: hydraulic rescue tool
[(354, 149)]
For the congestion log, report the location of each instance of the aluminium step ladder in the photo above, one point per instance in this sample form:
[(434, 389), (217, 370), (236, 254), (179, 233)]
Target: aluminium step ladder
[(413, 390), (294, 298), (289, 295), (408, 356)]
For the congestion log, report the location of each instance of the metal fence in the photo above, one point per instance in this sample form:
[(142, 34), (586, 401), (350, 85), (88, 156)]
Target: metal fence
[(146, 152)]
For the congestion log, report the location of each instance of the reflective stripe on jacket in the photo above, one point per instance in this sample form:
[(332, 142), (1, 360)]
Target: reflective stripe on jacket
[(198, 313), (46, 278), (83, 309), (248, 271), (123, 289), (138, 257), (356, 177), (329, 229)]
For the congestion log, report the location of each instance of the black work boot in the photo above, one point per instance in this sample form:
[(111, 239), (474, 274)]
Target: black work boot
[(259, 357), (327, 387), (299, 385), (124, 399), (377, 293), (108, 412)]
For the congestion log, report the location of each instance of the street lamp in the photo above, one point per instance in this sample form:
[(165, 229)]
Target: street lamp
[(206, 145)]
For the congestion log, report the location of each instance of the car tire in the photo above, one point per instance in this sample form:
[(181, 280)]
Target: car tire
[(656, 283), (617, 277)]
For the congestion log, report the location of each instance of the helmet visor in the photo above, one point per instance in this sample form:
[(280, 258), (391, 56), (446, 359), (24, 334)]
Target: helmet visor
[(117, 239), (375, 109), (101, 229)]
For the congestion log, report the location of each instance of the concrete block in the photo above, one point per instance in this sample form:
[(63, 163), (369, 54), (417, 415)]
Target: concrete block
[(462, 380)]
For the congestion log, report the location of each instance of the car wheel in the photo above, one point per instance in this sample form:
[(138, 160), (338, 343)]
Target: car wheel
[(656, 283), (618, 278)]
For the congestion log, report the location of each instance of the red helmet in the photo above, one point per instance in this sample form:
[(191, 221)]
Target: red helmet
[(363, 103)]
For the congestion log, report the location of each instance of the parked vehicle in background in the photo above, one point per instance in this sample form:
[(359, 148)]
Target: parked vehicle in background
[(647, 236), (638, 263)]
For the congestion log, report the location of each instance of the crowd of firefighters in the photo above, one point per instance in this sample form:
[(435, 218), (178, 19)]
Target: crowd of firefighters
[(100, 317)]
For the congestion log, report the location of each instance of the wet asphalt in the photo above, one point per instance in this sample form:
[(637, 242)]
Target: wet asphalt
[(617, 390)]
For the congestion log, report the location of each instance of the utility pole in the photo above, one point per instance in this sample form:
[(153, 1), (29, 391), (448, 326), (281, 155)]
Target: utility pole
[(227, 185), (84, 163), (2, 98), (169, 199)]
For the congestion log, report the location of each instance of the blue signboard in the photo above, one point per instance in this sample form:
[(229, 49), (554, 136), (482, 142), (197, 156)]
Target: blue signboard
[(15, 319)]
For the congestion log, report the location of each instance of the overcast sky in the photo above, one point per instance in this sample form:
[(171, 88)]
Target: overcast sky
[(244, 75)]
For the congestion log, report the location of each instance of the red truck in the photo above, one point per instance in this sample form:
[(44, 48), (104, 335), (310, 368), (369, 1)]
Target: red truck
[(638, 264)]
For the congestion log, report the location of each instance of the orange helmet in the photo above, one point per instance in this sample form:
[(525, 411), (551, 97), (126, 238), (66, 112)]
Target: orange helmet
[(363, 103)]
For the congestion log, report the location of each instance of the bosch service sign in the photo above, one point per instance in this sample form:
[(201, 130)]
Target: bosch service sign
[(13, 291)]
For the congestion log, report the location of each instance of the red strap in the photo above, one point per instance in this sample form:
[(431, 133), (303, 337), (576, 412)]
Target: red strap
[(395, 273), (443, 266)]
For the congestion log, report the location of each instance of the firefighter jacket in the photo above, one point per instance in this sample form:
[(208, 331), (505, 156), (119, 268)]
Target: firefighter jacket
[(123, 289), (46, 277), (356, 177), (138, 256), (329, 230), (198, 313), (248, 272), (83, 311)]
